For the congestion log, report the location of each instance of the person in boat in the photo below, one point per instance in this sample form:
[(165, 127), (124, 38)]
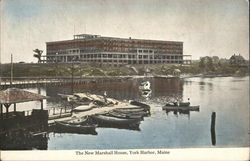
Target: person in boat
[(185, 103)]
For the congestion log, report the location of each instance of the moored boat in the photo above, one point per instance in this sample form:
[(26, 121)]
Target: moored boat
[(124, 115), (71, 128), (109, 120), (76, 121), (184, 106)]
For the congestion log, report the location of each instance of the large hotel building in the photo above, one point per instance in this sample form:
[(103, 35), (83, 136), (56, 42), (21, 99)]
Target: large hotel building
[(87, 48)]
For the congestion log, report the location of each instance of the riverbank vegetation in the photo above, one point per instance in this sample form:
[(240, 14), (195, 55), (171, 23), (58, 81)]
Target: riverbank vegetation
[(202, 67)]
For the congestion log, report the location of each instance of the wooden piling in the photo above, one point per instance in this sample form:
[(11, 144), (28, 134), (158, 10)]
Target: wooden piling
[(60, 112), (212, 129)]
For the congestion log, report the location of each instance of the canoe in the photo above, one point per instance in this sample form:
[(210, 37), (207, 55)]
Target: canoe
[(103, 119), (183, 108), (69, 128)]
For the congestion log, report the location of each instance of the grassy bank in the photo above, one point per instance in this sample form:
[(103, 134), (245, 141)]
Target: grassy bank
[(65, 70), (61, 70)]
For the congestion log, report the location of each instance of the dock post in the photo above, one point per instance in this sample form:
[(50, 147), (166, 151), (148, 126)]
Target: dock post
[(14, 107), (1, 110), (212, 129), (60, 112), (41, 104), (54, 111)]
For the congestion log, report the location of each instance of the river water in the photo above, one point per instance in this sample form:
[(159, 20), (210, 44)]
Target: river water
[(227, 96)]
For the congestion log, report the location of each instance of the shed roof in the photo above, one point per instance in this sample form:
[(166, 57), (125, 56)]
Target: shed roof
[(15, 95)]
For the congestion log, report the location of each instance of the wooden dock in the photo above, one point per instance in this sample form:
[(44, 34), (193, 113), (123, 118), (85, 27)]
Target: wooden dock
[(94, 111)]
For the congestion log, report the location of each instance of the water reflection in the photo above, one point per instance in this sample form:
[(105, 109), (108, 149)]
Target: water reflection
[(122, 90), (134, 127), (176, 112), (21, 140), (65, 130)]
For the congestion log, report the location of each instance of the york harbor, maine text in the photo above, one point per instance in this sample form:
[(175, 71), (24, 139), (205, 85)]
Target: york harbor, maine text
[(122, 152)]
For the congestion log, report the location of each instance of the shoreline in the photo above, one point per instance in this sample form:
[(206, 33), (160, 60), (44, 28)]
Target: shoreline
[(128, 77)]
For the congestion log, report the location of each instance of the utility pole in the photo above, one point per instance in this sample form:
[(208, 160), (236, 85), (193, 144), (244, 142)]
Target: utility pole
[(11, 71), (72, 77)]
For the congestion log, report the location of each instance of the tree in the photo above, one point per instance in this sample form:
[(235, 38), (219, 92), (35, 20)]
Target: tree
[(202, 63), (38, 54), (210, 64)]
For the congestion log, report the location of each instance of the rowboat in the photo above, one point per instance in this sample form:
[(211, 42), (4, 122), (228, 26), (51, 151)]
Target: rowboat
[(76, 121), (71, 128), (110, 120), (183, 108), (123, 115)]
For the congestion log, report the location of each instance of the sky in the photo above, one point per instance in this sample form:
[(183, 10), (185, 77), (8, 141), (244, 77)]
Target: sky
[(206, 27)]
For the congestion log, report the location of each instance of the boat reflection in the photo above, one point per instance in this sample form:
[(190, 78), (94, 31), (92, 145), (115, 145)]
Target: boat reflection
[(179, 112)]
